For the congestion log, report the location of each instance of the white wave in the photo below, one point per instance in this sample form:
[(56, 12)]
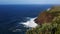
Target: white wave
[(29, 23), (48, 9)]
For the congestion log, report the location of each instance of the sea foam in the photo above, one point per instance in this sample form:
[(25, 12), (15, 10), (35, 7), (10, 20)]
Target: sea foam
[(30, 22)]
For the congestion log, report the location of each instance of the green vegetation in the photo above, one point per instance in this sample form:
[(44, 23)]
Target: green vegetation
[(52, 27)]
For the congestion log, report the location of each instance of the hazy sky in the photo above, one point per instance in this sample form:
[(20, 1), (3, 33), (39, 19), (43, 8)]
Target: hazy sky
[(29, 1)]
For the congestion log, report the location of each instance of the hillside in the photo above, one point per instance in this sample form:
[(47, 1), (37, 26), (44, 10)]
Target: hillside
[(48, 22)]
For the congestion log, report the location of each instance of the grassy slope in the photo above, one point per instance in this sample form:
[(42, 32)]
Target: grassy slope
[(52, 27)]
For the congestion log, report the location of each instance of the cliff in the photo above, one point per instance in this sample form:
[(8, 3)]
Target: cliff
[(48, 22), (48, 16)]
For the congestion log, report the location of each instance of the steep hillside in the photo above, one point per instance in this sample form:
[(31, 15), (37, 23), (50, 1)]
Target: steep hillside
[(48, 22)]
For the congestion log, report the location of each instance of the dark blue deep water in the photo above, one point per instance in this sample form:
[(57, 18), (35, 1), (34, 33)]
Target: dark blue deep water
[(11, 15)]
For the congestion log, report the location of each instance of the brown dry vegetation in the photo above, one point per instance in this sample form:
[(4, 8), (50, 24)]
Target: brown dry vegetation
[(44, 17)]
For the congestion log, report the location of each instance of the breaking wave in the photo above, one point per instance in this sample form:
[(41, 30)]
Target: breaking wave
[(29, 23)]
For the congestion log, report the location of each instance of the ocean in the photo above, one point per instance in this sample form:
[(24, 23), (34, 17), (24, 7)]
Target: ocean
[(12, 15)]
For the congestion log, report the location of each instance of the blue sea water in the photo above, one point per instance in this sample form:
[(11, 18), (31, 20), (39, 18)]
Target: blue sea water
[(11, 15)]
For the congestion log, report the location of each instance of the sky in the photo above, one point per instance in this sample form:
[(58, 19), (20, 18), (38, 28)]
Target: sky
[(29, 1)]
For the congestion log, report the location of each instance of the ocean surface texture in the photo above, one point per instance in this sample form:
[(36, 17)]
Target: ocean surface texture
[(12, 15)]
